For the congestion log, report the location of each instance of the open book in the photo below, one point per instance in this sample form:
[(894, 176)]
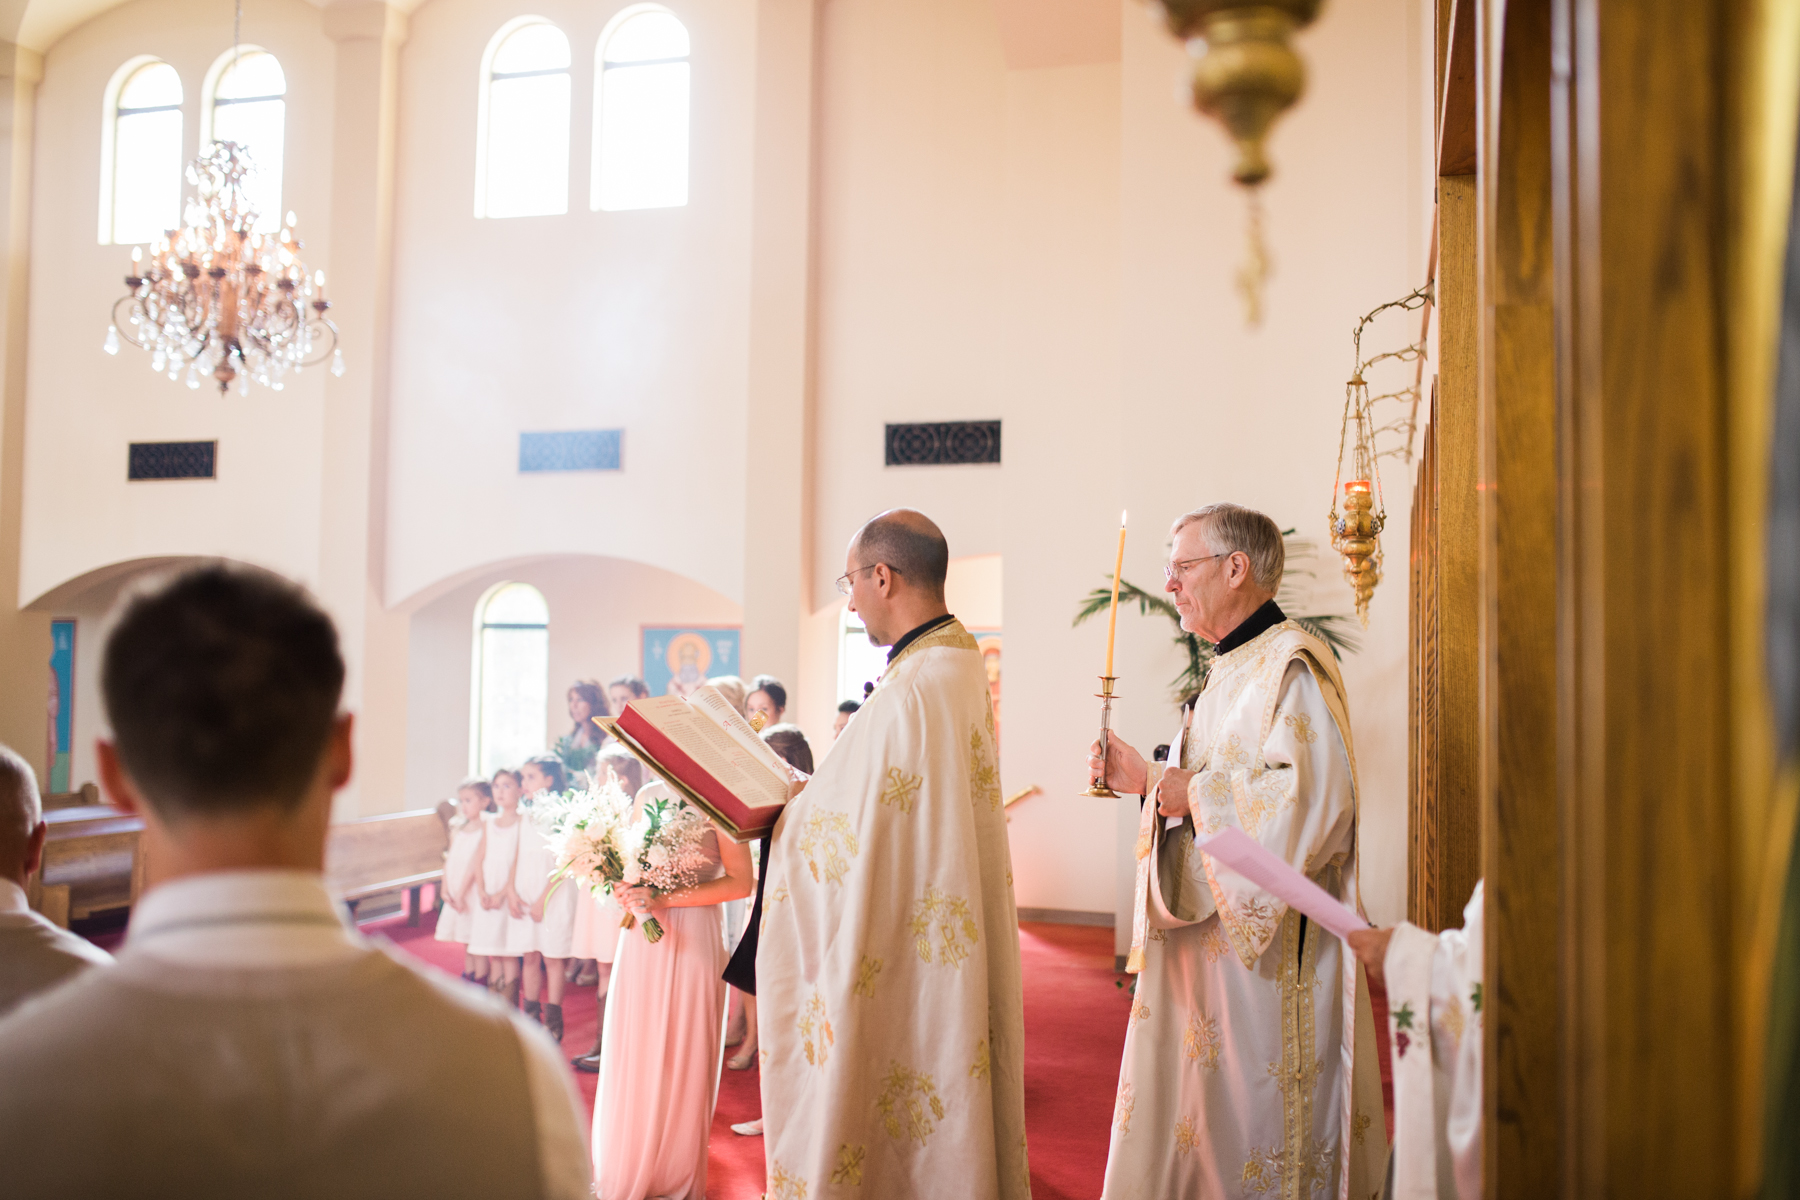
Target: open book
[(709, 754)]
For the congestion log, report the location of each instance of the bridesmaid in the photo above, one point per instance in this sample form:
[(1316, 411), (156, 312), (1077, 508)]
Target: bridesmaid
[(665, 1018)]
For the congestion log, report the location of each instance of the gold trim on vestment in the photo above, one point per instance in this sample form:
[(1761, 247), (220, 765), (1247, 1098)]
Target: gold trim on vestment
[(951, 634)]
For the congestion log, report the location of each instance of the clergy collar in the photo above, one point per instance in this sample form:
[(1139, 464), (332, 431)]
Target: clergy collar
[(914, 635), (1261, 621)]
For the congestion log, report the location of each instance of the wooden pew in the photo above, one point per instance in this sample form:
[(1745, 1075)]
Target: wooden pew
[(376, 855), (87, 797), (93, 861)]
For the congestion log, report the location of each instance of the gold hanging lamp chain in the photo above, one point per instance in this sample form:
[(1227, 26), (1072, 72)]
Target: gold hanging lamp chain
[(1253, 274)]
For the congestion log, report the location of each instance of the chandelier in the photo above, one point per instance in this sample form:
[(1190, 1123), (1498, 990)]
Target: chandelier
[(219, 299)]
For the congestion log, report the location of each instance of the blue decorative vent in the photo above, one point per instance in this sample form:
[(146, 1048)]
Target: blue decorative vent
[(943, 443), (571, 450), (173, 460)]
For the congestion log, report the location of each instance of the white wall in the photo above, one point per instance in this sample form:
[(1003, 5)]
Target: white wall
[(589, 320), (597, 606)]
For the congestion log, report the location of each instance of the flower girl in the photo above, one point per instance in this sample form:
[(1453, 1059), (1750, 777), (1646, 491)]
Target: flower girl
[(545, 934), (462, 864), (490, 931)]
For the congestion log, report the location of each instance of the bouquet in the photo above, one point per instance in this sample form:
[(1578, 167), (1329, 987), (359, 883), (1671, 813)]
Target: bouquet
[(603, 849)]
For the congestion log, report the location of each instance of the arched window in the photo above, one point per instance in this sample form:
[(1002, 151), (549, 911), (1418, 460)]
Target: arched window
[(512, 677), (641, 112), (522, 140), (140, 170), (248, 105)]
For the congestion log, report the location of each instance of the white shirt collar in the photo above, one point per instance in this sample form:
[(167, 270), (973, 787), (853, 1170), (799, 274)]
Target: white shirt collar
[(12, 898), (248, 919)]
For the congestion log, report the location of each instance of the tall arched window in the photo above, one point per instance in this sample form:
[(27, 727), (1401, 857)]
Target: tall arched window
[(512, 677), (522, 140), (641, 112), (248, 105), (141, 161)]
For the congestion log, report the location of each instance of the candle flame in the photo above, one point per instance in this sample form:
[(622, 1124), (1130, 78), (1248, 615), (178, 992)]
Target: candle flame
[(1121, 518)]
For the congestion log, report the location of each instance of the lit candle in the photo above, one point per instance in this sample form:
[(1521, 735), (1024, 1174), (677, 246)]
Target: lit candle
[(1112, 620)]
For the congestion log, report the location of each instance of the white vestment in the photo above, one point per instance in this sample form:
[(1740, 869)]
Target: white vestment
[(1434, 1035), (889, 1006), (1237, 1080)]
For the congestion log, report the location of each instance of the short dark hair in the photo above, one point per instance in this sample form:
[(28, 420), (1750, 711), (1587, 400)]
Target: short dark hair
[(922, 555), (632, 683), (849, 706), (552, 766), (222, 686), (789, 742), (771, 685)]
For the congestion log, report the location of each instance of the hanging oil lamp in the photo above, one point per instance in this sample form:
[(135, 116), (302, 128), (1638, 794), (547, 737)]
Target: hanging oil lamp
[(1356, 531)]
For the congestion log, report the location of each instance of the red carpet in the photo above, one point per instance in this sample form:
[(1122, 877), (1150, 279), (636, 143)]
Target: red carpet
[(1075, 1019)]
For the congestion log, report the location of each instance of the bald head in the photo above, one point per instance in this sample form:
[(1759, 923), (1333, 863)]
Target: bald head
[(911, 545), (20, 813)]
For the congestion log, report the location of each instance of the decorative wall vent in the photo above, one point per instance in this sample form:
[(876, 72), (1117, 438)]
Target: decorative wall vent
[(173, 460), (943, 443), (570, 450)]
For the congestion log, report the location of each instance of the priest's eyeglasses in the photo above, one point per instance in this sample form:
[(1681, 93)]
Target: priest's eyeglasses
[(843, 581), (1171, 570)]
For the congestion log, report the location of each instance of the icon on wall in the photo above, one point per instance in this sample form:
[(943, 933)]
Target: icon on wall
[(679, 658), (988, 642), (61, 731)]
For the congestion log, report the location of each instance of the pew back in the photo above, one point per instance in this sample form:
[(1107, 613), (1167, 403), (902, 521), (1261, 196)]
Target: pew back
[(396, 852)]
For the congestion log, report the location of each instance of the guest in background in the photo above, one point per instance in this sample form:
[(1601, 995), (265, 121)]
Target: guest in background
[(544, 934), (846, 710), (249, 1042), (789, 742), (624, 690), (767, 698), (584, 741), (35, 955), (489, 932), (734, 691), (462, 868), (597, 918), (731, 924), (659, 1065)]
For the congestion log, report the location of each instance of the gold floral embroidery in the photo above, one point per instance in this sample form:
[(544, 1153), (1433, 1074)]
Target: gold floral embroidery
[(1265, 794), (1159, 935), (909, 1104), (1230, 753), (1360, 1125), (866, 971), (828, 840), (1212, 941), (981, 1066), (1201, 1043), (783, 1186), (1184, 1135), (1267, 1171), (955, 926), (1250, 926), (1453, 1020), (1122, 1108), (1301, 724), (984, 776), (902, 789), (815, 1031), (1139, 1010), (850, 1165)]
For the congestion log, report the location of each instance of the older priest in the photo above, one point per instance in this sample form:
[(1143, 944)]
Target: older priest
[(888, 967), (1238, 1078)]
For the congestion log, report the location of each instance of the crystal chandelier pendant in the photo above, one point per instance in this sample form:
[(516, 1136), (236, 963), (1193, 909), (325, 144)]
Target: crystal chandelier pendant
[(220, 297)]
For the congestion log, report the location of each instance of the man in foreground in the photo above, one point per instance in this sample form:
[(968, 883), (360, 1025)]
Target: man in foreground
[(248, 1042), (34, 954), (888, 965), (1237, 1079)]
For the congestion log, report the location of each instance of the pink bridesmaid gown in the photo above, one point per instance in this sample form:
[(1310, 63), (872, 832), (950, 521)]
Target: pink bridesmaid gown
[(659, 1057)]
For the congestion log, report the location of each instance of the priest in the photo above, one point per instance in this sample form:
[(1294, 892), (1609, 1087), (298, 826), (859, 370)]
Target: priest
[(889, 1007), (1240, 1076)]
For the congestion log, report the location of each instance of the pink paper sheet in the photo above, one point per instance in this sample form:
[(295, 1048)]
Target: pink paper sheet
[(1249, 858)]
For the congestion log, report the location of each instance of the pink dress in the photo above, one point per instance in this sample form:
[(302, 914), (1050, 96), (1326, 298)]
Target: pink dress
[(659, 1057)]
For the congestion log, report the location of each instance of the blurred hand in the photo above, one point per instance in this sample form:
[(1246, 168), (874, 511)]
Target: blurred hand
[(514, 905), (635, 900), (537, 909), (1370, 947), (1172, 792), (1125, 769)]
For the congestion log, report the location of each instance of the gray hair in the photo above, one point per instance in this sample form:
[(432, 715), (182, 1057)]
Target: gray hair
[(1230, 528), (20, 809)]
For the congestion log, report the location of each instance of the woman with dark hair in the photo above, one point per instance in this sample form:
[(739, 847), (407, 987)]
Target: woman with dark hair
[(789, 742), (767, 697), (587, 700)]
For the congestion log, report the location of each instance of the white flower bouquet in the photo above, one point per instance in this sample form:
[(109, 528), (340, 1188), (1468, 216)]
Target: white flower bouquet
[(601, 848)]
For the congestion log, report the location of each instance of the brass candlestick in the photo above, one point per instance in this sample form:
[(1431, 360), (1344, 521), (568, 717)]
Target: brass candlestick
[(1105, 695)]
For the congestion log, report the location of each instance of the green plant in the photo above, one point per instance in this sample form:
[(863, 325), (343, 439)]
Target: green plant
[(1331, 628)]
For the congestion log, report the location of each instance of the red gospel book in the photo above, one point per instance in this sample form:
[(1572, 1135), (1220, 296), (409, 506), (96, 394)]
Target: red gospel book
[(710, 755)]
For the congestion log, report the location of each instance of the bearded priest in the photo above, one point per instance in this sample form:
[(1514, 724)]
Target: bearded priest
[(888, 963), (1238, 1077)]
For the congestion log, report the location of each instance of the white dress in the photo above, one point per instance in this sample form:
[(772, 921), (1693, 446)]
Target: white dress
[(489, 927), (459, 866), (554, 935)]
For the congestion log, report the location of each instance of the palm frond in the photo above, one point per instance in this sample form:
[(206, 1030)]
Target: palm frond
[(1100, 599), (1334, 630)]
